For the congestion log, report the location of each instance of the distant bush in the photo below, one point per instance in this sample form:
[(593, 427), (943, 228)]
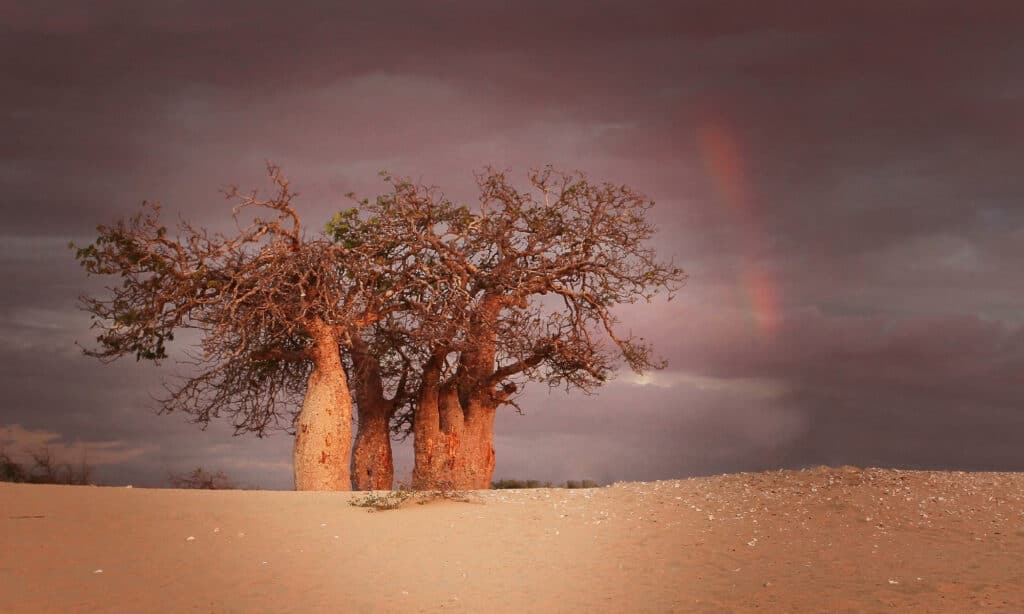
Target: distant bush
[(11, 471), (582, 484), (201, 479), (510, 484), (44, 470)]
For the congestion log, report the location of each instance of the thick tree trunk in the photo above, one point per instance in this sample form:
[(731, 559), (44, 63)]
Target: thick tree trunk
[(323, 434), (454, 423), (435, 448), (475, 463), (454, 449), (372, 465)]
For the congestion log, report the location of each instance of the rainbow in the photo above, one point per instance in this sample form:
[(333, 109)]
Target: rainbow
[(723, 162)]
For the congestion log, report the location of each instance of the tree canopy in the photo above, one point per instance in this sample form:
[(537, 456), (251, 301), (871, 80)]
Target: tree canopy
[(521, 288), (251, 296), (437, 313)]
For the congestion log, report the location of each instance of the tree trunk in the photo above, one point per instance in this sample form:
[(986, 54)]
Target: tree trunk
[(323, 435), (476, 456), (372, 465), (454, 423), (454, 449), (430, 444)]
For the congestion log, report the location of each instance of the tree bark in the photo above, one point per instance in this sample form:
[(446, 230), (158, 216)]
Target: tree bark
[(454, 422), (475, 463), (431, 449), (323, 434), (372, 464), (454, 448)]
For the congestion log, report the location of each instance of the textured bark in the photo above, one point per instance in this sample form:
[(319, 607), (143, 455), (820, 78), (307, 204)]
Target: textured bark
[(323, 434), (474, 466), (435, 448), (453, 446), (425, 427), (372, 464), (454, 422)]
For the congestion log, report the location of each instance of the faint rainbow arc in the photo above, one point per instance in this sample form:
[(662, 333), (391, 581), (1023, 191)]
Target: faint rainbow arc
[(725, 165)]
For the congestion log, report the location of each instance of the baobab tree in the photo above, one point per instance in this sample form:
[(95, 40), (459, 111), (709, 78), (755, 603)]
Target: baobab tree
[(274, 309), (522, 289), (433, 308), (425, 303)]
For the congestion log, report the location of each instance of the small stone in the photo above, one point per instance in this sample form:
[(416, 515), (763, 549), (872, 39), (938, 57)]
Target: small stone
[(190, 539)]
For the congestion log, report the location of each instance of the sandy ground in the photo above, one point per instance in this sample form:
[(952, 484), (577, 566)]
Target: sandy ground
[(817, 540)]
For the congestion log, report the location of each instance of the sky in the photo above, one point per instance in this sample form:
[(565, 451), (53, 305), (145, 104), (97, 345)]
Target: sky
[(841, 181)]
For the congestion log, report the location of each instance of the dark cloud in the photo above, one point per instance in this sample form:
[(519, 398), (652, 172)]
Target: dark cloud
[(839, 179)]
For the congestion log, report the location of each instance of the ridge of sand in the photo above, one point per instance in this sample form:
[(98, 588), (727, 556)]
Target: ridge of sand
[(822, 539)]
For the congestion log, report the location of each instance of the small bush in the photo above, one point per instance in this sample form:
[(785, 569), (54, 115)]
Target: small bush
[(390, 500), (45, 470), (201, 479), (581, 484), (503, 484), (510, 484), (11, 471)]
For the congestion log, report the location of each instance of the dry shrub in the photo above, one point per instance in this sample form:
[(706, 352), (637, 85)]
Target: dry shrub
[(394, 499), (201, 479), (44, 470)]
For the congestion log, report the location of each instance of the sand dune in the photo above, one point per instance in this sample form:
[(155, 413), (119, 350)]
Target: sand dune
[(814, 540)]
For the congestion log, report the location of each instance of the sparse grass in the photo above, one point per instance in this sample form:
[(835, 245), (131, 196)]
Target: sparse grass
[(380, 501), (394, 499)]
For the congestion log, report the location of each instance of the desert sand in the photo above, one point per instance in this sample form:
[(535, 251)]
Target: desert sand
[(815, 540)]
